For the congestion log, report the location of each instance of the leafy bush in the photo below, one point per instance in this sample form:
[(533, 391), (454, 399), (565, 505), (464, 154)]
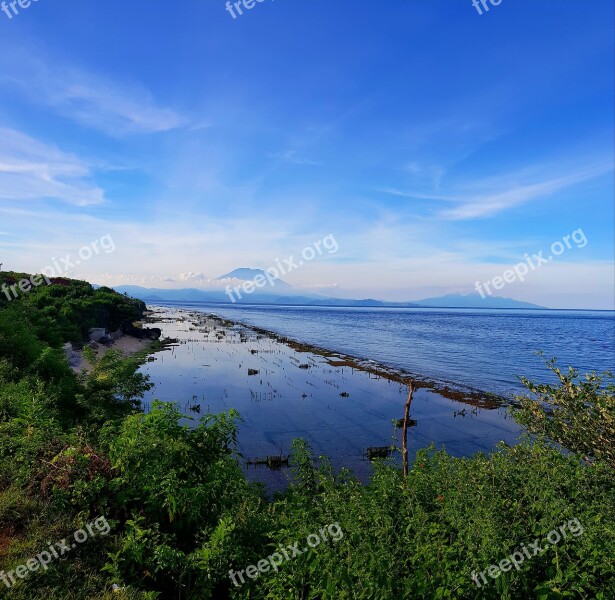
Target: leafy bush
[(423, 538), (579, 414), (180, 489)]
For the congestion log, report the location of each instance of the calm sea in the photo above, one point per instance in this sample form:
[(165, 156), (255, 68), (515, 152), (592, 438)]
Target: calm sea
[(483, 349)]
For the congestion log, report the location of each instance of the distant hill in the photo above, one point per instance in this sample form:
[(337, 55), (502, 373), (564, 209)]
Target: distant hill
[(258, 297), (281, 292), (245, 274), (474, 301), (186, 294)]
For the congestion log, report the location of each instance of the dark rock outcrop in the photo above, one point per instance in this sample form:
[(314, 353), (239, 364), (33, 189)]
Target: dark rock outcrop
[(152, 333)]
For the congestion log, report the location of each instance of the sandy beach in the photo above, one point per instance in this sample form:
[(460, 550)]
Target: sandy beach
[(127, 345)]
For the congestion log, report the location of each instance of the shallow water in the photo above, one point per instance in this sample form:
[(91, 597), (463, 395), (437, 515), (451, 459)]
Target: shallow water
[(484, 349), (209, 367)]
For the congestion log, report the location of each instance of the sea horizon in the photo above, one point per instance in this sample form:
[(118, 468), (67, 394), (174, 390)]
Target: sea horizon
[(428, 348)]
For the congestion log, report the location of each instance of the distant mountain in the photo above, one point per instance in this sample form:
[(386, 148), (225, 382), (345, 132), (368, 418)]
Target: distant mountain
[(194, 295), (245, 274), (474, 301), (283, 293), (165, 295)]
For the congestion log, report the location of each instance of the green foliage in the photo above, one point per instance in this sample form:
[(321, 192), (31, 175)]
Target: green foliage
[(423, 537), (50, 471), (112, 389), (67, 309), (303, 469), (184, 487), (35, 325), (169, 470), (578, 414), (16, 506)]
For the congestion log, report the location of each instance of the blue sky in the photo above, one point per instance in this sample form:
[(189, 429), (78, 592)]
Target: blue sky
[(437, 145)]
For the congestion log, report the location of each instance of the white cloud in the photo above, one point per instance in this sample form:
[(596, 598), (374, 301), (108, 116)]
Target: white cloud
[(386, 259), (488, 197), (90, 99), (514, 194), (491, 196), (192, 277), (108, 107), (319, 286), (31, 170)]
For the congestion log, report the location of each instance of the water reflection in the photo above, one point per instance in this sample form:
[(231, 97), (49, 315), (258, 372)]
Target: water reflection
[(282, 394)]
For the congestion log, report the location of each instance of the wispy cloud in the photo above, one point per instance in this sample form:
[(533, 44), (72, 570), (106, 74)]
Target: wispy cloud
[(290, 156), (112, 109), (512, 194), (93, 100), (319, 286), (33, 170), (426, 172), (489, 197)]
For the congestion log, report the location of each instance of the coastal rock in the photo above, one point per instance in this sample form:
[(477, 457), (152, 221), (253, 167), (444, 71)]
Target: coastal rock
[(152, 333), (71, 356), (96, 333)]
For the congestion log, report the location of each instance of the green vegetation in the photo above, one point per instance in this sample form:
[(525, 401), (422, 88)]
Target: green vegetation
[(182, 514), (579, 414)]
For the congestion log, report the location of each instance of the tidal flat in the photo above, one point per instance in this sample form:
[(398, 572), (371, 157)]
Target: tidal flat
[(284, 390)]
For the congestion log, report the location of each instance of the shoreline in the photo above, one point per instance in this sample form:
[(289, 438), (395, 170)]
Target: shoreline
[(456, 392), (128, 345)]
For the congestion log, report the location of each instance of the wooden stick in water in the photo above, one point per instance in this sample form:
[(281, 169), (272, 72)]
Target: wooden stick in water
[(404, 439)]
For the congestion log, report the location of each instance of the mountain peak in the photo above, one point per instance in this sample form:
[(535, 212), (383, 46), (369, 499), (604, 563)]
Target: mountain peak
[(247, 274)]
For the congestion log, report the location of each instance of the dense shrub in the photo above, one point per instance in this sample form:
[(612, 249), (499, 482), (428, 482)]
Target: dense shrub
[(423, 538), (579, 413)]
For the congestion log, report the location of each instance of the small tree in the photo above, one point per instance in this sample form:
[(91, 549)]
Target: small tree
[(578, 414)]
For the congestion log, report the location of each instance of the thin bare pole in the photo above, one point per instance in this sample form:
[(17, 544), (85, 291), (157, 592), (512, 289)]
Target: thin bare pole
[(404, 439)]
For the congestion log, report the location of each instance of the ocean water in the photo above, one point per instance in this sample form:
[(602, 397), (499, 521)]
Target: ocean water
[(483, 349), (283, 393)]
